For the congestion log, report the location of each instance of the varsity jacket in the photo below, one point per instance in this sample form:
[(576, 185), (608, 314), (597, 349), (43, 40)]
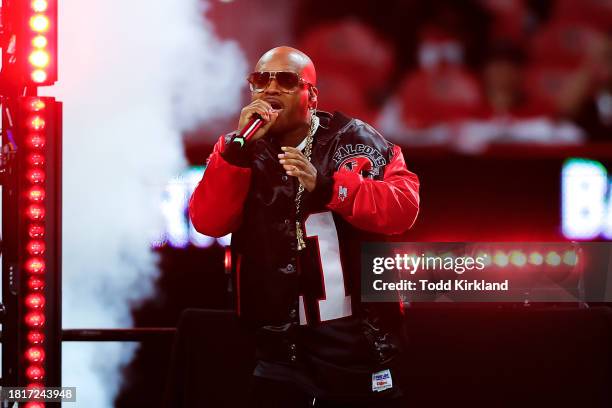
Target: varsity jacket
[(304, 306)]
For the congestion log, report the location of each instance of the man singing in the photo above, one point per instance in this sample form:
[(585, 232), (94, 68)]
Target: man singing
[(299, 197)]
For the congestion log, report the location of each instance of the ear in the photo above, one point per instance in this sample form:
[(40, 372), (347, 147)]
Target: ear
[(313, 94)]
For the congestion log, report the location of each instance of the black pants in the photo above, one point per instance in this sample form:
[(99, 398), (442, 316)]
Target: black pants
[(265, 393)]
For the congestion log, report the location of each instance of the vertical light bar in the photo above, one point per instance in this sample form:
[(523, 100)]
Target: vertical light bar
[(37, 41), (40, 242), (34, 248)]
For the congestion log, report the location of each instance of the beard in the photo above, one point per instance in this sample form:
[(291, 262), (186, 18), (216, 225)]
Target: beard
[(284, 125)]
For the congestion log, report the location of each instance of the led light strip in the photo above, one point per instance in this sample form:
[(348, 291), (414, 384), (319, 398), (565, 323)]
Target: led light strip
[(35, 263), (39, 56)]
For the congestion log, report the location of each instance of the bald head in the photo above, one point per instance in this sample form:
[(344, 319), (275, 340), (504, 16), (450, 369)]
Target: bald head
[(296, 104), (288, 59)]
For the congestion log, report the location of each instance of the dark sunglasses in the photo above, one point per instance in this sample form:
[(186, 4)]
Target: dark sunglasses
[(287, 81)]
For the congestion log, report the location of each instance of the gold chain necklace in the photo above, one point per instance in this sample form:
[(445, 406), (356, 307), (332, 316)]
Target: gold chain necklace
[(314, 124)]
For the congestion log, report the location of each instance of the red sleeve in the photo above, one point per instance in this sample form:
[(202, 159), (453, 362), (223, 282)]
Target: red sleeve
[(215, 207), (388, 206)]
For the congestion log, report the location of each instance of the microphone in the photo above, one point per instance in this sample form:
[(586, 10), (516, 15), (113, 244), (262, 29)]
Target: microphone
[(248, 130), (252, 126)]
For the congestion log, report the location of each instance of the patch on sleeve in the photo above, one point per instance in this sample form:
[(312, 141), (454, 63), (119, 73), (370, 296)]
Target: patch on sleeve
[(382, 380), (342, 192)]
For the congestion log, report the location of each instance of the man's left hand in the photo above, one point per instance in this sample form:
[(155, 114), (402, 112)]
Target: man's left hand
[(297, 165)]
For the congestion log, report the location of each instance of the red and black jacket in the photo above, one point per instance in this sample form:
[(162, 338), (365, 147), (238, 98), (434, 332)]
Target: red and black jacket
[(308, 298)]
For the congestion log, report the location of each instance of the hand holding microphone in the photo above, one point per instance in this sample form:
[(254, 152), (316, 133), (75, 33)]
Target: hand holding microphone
[(258, 109), (255, 120)]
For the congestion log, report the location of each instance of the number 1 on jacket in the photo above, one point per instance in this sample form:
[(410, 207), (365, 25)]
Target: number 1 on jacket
[(335, 302)]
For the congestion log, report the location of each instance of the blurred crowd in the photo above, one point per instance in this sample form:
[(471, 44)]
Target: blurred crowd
[(466, 73)]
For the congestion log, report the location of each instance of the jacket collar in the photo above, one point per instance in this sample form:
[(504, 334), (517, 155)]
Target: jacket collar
[(330, 124)]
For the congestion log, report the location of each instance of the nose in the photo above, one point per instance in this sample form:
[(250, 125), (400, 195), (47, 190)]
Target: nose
[(272, 88)]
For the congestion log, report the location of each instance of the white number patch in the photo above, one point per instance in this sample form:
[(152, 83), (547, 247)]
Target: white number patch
[(335, 302)]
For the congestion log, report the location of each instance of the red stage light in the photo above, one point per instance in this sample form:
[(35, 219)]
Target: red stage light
[(36, 176), (36, 337), (39, 23), (35, 373), (36, 141), (35, 354), (36, 194), (35, 301), (36, 247), (36, 212), (39, 76), (36, 284), (35, 319), (36, 122), (36, 104), (35, 265), (35, 404), (35, 386), (36, 231), (40, 41), (39, 58), (39, 5), (36, 159)]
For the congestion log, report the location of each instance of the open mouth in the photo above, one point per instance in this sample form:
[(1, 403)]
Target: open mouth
[(275, 104)]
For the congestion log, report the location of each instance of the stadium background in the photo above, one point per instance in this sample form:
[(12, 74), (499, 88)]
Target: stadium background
[(489, 99), (502, 107)]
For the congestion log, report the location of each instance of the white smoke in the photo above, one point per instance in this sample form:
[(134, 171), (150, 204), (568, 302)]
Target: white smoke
[(132, 75)]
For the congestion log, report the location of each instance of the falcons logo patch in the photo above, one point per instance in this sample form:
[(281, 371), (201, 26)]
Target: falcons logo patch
[(360, 164)]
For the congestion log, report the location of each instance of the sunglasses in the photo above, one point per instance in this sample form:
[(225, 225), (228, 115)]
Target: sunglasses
[(287, 81)]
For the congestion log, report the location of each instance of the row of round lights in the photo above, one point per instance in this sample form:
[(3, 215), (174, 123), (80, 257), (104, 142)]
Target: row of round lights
[(39, 57), (518, 258), (35, 247)]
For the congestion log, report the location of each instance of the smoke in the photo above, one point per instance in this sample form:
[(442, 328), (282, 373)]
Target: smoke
[(133, 75)]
